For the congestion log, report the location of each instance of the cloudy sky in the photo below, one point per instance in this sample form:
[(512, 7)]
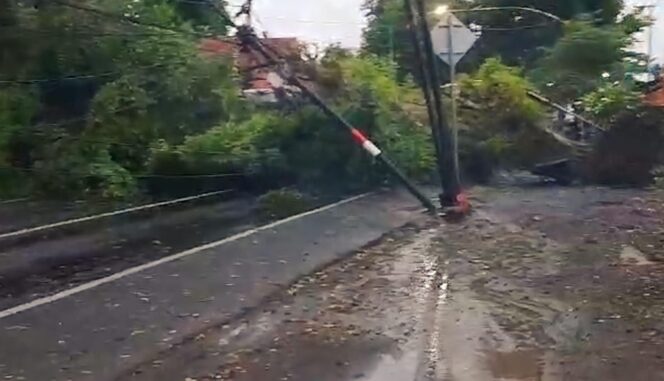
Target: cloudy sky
[(341, 21), (317, 21), (658, 28)]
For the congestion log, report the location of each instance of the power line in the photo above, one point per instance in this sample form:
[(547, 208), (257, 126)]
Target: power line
[(138, 146), (33, 81), (147, 176), (109, 141), (75, 77), (482, 28), (131, 20), (60, 32), (80, 118), (99, 12)]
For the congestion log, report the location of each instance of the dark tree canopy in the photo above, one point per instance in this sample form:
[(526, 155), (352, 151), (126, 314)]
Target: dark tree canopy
[(517, 37)]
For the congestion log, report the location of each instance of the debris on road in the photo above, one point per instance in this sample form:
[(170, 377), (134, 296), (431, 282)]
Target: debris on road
[(501, 295)]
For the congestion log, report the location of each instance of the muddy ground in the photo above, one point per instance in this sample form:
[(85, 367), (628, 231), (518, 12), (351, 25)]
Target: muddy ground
[(538, 284)]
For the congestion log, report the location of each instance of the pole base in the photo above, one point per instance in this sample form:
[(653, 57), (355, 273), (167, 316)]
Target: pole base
[(455, 208)]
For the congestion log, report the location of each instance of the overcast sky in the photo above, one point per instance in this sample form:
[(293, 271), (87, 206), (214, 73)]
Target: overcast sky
[(320, 21), (658, 29), (341, 21)]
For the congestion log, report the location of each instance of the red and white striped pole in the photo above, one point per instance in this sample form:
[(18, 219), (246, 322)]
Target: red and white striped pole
[(462, 204), (367, 144), (376, 152)]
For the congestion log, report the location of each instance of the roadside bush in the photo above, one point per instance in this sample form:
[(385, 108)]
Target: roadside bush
[(479, 158), (575, 65), (609, 101), (87, 171), (311, 148), (373, 100), (229, 147), (658, 176), (14, 183), (505, 130), (17, 108), (502, 92), (628, 153), (283, 203)]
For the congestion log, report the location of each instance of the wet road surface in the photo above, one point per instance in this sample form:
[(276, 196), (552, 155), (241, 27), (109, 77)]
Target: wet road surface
[(58, 260), (103, 332), (25, 213), (539, 284), (359, 319)]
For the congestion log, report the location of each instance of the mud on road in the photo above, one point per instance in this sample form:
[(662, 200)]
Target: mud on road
[(539, 284)]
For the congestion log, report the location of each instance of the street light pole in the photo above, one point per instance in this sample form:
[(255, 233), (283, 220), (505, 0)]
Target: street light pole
[(453, 95), (442, 134)]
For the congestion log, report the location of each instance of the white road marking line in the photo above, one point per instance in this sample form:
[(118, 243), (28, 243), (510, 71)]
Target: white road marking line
[(171, 258), (18, 233), (13, 201)]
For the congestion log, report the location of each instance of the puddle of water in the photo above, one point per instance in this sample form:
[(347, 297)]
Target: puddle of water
[(392, 368), (632, 256), (515, 366)]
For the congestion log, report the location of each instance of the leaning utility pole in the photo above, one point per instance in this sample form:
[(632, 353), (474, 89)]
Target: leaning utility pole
[(442, 134), (249, 40)]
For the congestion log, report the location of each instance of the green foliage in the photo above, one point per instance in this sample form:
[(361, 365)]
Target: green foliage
[(387, 34), (84, 170), (505, 130), (577, 64), (502, 92), (373, 99), (17, 108), (138, 86), (234, 145), (629, 152), (283, 203), (245, 147), (610, 100), (308, 146), (514, 38), (658, 175), (587, 49)]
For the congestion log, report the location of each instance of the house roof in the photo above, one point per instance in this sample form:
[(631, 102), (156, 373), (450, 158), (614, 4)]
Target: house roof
[(655, 97), (250, 61)]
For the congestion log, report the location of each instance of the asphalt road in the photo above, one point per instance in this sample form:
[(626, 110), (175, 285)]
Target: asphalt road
[(104, 328), (59, 259), (24, 213), (546, 283)]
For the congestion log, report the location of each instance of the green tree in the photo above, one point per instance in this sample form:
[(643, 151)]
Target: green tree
[(583, 59), (517, 37), (506, 128), (110, 88)]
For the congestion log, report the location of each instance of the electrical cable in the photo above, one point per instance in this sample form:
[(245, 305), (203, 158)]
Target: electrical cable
[(124, 144), (149, 176), (248, 38), (134, 21), (69, 121), (516, 28), (75, 77), (60, 32)]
